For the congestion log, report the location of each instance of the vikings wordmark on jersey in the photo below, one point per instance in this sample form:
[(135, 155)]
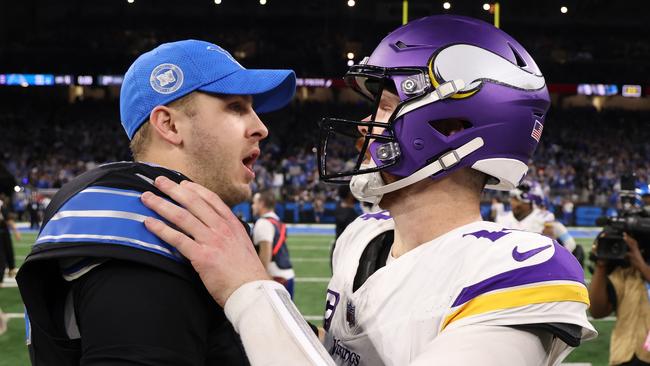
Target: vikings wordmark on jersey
[(480, 273)]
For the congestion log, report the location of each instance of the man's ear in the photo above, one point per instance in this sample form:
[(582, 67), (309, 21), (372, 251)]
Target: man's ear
[(163, 121)]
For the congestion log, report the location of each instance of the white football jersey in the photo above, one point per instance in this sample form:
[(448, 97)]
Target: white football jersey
[(534, 222), (477, 274)]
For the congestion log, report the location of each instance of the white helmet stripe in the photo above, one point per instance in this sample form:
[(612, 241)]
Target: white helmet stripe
[(473, 64)]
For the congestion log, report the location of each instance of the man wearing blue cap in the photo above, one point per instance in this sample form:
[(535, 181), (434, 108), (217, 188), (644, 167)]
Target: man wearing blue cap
[(98, 288)]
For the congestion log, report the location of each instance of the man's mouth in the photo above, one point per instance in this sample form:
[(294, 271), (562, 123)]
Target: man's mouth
[(250, 159)]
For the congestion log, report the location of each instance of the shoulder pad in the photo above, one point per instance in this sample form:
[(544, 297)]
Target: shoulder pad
[(103, 206), (554, 278)]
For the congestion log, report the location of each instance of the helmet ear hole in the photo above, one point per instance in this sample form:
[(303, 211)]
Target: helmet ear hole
[(450, 126)]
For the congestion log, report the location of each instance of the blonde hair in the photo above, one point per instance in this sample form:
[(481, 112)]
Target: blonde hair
[(141, 138)]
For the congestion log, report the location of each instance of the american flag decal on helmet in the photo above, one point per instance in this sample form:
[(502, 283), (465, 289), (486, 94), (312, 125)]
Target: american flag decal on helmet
[(537, 130)]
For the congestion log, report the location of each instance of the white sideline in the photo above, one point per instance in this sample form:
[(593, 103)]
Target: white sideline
[(8, 282)]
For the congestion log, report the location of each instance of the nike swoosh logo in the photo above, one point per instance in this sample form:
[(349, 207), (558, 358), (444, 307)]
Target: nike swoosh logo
[(522, 256)]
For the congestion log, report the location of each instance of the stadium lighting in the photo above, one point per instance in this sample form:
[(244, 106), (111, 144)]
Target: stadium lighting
[(262, 2), (16, 189), (351, 3), (217, 2), (350, 55), (350, 62), (486, 7), (564, 10), (446, 5), (130, 1)]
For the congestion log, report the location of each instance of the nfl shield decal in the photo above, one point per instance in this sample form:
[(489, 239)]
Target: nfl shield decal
[(349, 315)]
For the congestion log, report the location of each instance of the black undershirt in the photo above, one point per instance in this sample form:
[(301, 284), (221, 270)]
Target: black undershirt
[(131, 314)]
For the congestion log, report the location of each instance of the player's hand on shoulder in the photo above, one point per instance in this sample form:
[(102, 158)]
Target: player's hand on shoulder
[(212, 238)]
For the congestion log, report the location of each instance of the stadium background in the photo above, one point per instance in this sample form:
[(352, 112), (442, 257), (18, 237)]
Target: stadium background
[(61, 65)]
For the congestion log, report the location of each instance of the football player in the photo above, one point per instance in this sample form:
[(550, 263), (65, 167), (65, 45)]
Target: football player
[(458, 106), (528, 213)]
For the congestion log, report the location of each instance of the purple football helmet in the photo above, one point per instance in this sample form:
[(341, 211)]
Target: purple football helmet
[(442, 68), (529, 192)]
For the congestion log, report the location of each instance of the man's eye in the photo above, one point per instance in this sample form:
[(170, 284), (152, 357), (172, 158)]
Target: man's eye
[(237, 107), (386, 107)]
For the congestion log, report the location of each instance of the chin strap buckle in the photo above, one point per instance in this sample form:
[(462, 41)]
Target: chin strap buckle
[(449, 88), (449, 159)]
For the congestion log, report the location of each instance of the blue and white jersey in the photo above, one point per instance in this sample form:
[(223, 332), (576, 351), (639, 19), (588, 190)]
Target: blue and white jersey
[(102, 208), (105, 215), (478, 274)]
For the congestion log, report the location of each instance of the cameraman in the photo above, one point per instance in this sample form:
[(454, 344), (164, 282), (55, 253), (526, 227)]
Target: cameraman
[(624, 290)]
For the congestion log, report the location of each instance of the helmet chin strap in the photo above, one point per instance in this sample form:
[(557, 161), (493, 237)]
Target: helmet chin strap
[(371, 187), (360, 184)]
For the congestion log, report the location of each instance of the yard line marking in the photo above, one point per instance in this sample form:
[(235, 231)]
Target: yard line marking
[(299, 259), (312, 279), (18, 315), (313, 317)]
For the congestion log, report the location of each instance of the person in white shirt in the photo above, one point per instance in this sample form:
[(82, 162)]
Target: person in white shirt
[(457, 106), (270, 240), (497, 208)]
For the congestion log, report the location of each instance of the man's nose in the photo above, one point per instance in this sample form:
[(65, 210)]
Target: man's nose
[(364, 129)]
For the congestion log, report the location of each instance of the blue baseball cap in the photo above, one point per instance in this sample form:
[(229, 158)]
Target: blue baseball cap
[(173, 70)]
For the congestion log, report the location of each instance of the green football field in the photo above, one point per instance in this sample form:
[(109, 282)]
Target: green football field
[(310, 256)]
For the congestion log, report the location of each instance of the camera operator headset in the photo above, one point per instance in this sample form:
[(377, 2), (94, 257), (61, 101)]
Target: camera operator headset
[(528, 213), (621, 278)]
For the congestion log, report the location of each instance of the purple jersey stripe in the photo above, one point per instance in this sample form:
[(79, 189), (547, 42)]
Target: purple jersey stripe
[(562, 266)]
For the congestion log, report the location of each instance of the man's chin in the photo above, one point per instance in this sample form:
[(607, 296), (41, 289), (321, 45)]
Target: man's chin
[(238, 195)]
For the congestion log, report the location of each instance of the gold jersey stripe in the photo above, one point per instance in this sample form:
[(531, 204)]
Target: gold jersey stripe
[(519, 297)]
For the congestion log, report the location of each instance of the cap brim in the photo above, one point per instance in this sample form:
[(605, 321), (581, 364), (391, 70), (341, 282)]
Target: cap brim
[(271, 89)]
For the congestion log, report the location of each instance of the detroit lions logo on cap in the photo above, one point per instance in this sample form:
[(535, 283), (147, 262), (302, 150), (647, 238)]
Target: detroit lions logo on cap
[(166, 78)]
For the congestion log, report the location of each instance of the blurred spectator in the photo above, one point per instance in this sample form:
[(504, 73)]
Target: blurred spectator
[(7, 226), (345, 211), (496, 209), (575, 163), (269, 238)]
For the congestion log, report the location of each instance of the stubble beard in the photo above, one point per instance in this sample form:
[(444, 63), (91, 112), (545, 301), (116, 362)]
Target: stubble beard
[(213, 172)]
